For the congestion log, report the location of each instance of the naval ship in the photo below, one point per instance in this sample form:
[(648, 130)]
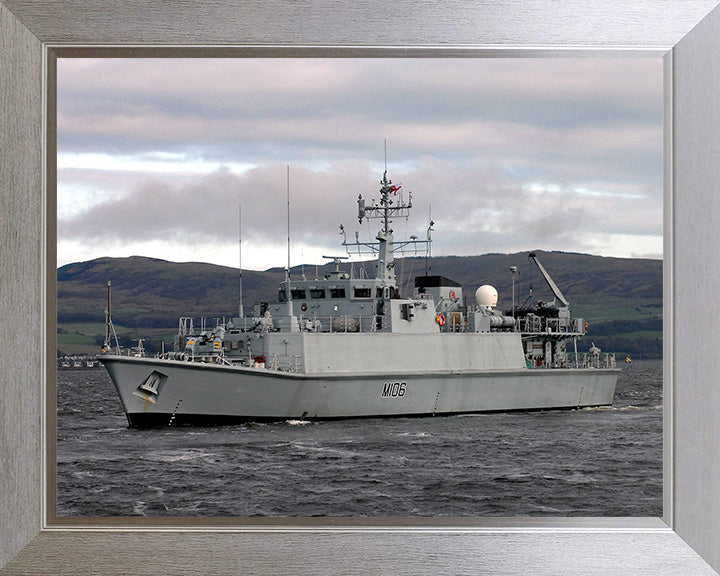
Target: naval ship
[(352, 346)]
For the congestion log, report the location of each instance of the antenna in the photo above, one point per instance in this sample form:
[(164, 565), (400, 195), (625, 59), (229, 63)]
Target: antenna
[(428, 254), (110, 329), (288, 219), (108, 317), (288, 293), (294, 326), (240, 309)]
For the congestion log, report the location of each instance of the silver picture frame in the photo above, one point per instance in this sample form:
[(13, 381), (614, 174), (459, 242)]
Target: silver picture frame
[(685, 33)]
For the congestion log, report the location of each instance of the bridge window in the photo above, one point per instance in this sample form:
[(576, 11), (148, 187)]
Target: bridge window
[(362, 292), (317, 293), (337, 292), (297, 294)]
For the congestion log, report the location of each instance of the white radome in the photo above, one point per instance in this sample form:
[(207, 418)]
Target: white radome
[(486, 295)]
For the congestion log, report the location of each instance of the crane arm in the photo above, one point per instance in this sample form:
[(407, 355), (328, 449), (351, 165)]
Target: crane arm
[(551, 284)]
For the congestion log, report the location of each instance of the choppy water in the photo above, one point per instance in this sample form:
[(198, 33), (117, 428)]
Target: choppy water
[(591, 462)]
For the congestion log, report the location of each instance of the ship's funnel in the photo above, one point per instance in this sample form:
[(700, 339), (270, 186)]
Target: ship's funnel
[(486, 296)]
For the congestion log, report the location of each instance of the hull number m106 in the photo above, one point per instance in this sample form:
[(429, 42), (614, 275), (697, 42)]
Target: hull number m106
[(394, 389)]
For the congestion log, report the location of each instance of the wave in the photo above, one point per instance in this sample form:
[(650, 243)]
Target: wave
[(178, 455), (629, 408)]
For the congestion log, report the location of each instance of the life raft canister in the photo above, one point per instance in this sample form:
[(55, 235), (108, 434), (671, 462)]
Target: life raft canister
[(440, 319)]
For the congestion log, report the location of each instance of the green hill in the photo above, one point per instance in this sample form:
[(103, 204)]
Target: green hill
[(621, 298)]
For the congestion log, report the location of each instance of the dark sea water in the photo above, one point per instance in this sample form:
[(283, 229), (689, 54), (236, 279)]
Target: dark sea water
[(590, 462)]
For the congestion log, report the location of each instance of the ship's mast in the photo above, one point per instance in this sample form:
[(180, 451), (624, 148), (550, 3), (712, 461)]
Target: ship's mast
[(391, 205), (386, 260)]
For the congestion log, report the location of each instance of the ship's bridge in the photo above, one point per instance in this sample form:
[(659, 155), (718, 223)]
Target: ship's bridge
[(327, 304)]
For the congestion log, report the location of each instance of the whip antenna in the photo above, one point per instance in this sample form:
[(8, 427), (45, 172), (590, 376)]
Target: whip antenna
[(240, 309), (288, 220)]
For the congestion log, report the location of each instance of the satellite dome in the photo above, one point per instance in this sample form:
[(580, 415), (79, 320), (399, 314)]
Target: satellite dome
[(486, 295)]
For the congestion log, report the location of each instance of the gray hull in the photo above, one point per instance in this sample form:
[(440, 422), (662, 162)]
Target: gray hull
[(158, 392)]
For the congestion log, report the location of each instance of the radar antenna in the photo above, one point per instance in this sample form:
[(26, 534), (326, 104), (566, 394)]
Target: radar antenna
[(337, 260)]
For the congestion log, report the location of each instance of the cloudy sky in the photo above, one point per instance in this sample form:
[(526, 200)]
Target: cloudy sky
[(155, 156)]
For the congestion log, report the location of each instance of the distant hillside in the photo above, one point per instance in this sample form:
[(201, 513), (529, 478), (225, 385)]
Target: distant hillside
[(147, 292), (621, 298)]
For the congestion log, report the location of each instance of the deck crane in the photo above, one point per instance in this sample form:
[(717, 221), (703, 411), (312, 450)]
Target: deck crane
[(555, 290)]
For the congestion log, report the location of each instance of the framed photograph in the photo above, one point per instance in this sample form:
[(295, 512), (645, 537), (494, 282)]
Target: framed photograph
[(34, 540), (548, 157)]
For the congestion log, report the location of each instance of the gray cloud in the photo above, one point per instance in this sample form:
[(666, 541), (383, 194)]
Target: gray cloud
[(511, 154)]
